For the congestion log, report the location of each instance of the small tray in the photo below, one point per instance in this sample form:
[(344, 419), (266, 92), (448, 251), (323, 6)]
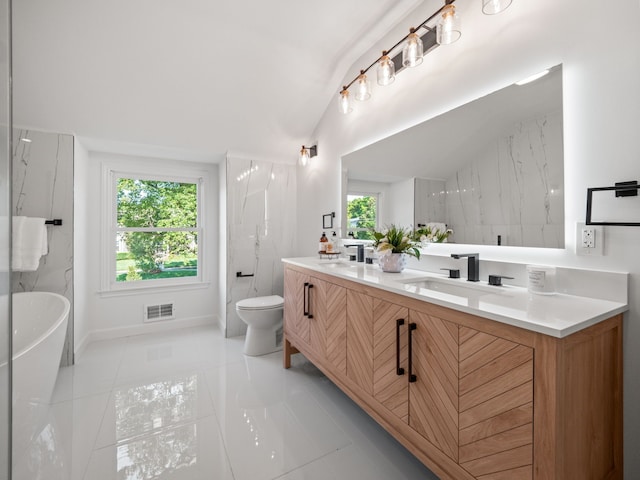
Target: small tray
[(329, 255)]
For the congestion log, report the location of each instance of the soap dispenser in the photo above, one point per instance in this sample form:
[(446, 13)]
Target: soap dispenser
[(335, 243), (322, 246)]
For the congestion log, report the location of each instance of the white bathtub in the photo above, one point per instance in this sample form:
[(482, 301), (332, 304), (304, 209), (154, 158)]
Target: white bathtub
[(39, 328)]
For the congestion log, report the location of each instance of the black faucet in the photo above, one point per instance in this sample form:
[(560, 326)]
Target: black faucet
[(473, 265), (360, 250)]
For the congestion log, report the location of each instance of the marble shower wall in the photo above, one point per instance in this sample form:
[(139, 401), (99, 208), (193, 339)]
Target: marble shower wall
[(500, 190), (43, 187), (429, 201), (261, 212)]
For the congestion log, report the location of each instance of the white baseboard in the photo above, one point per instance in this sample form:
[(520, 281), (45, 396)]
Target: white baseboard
[(142, 329), (82, 344)]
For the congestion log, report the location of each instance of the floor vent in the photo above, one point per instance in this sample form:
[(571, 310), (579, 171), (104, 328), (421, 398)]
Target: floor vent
[(155, 313)]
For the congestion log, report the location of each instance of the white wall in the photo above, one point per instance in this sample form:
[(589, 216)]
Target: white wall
[(401, 203), (601, 123), (108, 315)]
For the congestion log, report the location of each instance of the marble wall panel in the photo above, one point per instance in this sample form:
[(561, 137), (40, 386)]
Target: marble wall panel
[(261, 211), (5, 212), (512, 188), (429, 201), (43, 187)]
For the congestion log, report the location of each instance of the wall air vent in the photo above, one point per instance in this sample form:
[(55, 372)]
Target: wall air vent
[(155, 313)]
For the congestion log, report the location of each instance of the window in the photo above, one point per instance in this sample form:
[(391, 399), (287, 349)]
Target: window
[(156, 231), (362, 214)]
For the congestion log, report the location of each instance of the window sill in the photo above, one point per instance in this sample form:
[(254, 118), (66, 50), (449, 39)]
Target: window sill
[(129, 291)]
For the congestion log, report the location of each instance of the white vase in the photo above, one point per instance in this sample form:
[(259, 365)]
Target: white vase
[(393, 262)]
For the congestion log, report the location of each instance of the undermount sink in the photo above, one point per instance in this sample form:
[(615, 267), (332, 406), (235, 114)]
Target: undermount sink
[(464, 290), (337, 264)]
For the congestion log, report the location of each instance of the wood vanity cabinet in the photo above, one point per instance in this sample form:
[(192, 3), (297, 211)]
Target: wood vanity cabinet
[(315, 314), (470, 397)]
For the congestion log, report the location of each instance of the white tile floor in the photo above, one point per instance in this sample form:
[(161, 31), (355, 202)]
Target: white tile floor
[(188, 405)]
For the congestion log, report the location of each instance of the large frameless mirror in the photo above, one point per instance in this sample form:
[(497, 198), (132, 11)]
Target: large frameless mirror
[(491, 170)]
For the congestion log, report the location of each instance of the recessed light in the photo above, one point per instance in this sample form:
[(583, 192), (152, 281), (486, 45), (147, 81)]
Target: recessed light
[(26, 140)]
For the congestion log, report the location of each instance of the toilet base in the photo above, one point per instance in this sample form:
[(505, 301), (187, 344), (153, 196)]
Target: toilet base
[(261, 341)]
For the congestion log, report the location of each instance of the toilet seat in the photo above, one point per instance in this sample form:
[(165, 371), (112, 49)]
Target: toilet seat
[(270, 302)]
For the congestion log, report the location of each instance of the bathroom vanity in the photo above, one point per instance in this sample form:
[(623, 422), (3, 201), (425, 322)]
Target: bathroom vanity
[(478, 381)]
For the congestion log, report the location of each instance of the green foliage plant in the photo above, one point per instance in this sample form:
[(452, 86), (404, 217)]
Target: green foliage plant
[(157, 204), (132, 274), (395, 239), (431, 234)]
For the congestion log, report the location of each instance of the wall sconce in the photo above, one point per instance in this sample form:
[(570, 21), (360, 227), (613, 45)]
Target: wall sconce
[(442, 28), (307, 153)]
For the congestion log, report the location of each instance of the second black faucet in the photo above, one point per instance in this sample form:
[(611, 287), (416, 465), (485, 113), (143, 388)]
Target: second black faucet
[(473, 265)]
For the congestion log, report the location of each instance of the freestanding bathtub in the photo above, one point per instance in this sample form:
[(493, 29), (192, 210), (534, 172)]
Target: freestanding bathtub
[(39, 328)]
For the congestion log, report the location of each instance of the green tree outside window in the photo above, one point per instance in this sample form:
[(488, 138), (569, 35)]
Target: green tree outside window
[(158, 222)]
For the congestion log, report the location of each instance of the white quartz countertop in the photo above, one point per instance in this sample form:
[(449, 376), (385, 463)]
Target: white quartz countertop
[(557, 315)]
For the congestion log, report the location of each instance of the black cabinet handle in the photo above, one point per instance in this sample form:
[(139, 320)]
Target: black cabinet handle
[(307, 299), (412, 377), (399, 369), (309, 315)]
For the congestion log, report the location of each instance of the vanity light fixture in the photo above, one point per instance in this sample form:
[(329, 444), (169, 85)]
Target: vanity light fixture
[(386, 70), (363, 87), (413, 50), (532, 78), (307, 153), (345, 101), (448, 29), (491, 7), (442, 28)]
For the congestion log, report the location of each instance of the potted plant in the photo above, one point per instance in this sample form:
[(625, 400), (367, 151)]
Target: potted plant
[(393, 244), (431, 234)]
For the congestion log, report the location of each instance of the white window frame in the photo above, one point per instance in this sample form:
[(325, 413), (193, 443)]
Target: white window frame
[(110, 176)]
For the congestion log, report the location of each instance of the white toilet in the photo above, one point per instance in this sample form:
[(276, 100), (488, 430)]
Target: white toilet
[(263, 316)]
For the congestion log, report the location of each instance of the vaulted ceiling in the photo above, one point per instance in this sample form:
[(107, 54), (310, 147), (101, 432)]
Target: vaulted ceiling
[(201, 77)]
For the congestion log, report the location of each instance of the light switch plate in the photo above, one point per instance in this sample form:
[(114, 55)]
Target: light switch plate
[(589, 240)]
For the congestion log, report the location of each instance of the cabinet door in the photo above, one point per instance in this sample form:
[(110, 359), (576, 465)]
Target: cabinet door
[(360, 340), (295, 301), (316, 299), (496, 406), (335, 322), (433, 396), (390, 378)]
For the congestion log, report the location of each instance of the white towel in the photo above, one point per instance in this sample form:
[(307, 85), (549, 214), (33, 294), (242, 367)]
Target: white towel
[(29, 243)]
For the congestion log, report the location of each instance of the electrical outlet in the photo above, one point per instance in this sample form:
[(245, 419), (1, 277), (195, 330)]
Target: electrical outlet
[(589, 240), (588, 237)]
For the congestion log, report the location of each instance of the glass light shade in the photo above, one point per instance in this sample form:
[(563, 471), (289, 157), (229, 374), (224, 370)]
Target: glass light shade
[(386, 71), (448, 29), (363, 88), (413, 51), (491, 7), (304, 156), (344, 105)]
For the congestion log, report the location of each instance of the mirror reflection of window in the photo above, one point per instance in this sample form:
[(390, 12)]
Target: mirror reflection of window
[(362, 214)]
